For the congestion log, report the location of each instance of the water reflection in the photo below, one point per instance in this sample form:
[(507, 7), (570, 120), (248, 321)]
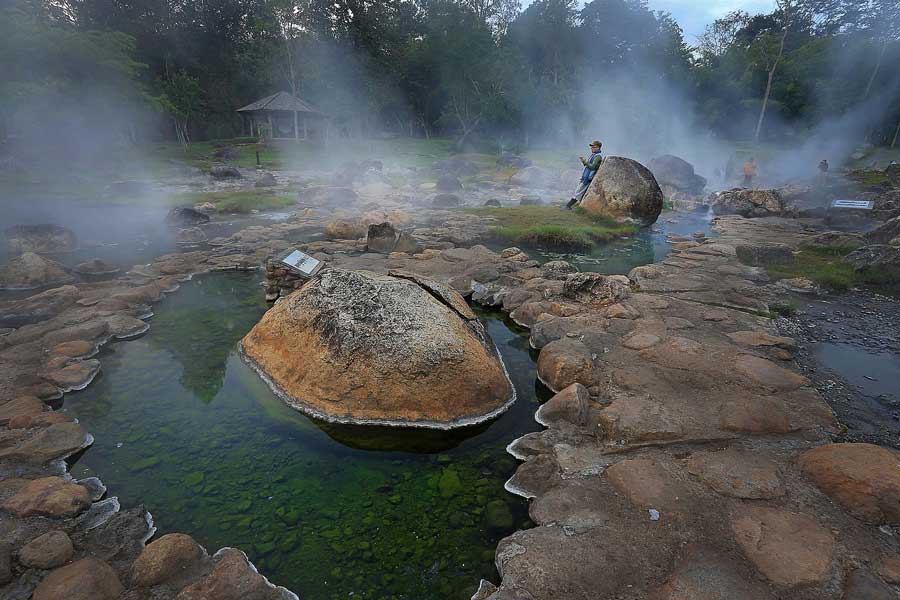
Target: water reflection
[(185, 427)]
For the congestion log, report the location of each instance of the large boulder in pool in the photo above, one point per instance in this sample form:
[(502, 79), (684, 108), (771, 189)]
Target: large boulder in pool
[(677, 173), (31, 271), (397, 349), (624, 190), (42, 239)]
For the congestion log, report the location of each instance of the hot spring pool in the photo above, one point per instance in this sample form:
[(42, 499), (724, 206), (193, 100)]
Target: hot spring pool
[(329, 511)]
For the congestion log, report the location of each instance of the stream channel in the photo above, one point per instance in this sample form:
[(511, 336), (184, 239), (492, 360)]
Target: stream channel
[(183, 426)]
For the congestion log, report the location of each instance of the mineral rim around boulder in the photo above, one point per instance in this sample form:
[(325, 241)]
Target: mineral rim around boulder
[(397, 349)]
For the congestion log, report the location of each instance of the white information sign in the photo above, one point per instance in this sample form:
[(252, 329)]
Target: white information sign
[(302, 263), (863, 204)]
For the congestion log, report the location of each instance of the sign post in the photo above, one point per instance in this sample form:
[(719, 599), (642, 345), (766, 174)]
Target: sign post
[(857, 204), (301, 263)]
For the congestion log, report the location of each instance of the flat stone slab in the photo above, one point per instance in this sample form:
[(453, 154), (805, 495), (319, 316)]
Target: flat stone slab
[(767, 373), (761, 339), (56, 441), (790, 549), (48, 497), (86, 579), (705, 574), (863, 478), (646, 483), (755, 415), (737, 474)]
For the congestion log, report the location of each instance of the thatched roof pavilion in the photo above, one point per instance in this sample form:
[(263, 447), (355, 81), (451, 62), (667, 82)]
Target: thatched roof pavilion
[(284, 116)]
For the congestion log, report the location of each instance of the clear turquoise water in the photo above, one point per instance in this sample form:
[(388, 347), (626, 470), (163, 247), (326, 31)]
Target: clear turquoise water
[(182, 425)]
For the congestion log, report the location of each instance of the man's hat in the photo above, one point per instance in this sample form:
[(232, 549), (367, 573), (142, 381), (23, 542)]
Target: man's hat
[(596, 143)]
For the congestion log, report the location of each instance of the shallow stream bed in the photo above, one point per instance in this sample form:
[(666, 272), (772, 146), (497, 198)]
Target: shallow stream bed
[(182, 425)]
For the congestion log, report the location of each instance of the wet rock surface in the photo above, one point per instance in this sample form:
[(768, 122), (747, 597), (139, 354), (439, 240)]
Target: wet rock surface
[(671, 466), (748, 203), (355, 346), (41, 239)]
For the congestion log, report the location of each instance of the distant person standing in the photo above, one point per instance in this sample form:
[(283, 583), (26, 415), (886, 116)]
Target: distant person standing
[(823, 171), (749, 172), (591, 164)]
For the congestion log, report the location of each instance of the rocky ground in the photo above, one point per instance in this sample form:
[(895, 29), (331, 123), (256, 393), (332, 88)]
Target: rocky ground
[(685, 455)]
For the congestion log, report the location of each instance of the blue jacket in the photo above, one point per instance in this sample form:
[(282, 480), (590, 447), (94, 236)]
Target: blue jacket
[(590, 166)]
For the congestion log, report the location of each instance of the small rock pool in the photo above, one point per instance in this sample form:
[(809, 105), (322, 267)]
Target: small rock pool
[(329, 511), (649, 245)]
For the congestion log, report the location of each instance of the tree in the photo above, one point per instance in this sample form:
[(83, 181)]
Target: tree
[(721, 34), (763, 46)]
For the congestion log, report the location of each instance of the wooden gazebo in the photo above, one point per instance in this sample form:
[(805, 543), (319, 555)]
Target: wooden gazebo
[(284, 117)]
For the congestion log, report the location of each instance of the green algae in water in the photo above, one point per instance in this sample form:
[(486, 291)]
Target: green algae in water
[(183, 426)]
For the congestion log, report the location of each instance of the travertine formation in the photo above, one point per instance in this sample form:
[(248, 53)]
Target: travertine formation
[(397, 349), (684, 456)]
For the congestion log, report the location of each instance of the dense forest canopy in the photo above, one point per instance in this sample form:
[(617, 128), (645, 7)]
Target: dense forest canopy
[(484, 71)]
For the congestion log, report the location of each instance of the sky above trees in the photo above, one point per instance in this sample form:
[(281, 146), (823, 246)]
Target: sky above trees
[(695, 15)]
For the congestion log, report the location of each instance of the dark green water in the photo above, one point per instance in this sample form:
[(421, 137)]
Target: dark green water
[(185, 427)]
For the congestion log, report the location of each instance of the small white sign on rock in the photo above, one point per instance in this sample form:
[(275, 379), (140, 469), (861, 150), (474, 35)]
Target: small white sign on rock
[(859, 204), (301, 263)]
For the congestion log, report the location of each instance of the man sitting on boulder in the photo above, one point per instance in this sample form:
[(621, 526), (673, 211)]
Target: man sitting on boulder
[(590, 169)]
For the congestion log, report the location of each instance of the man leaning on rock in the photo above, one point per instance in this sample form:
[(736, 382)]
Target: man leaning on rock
[(591, 165)]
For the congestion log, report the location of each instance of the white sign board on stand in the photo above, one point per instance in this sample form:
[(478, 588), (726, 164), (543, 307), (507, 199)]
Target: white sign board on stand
[(858, 204), (301, 263)]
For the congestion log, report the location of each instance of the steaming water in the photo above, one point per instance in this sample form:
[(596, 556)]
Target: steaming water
[(185, 427), (647, 246)]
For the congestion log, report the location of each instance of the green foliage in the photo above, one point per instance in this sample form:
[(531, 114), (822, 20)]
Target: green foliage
[(783, 309), (551, 227), (825, 266)]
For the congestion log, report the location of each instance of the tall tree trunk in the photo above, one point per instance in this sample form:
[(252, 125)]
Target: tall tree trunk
[(875, 70), (765, 104)]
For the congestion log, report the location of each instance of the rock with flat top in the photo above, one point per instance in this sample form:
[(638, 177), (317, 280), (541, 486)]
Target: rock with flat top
[(166, 559), (790, 549), (737, 474), (764, 254), (863, 478), (86, 579), (646, 483), (748, 203), (48, 497), (20, 407), (766, 373), (381, 237), (233, 578), (569, 405), (344, 230), (48, 551), (565, 362), (30, 271), (56, 441), (42, 239), (361, 347)]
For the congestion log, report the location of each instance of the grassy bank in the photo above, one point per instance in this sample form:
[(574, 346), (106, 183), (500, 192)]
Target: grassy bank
[(552, 228), (238, 201), (826, 266)]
